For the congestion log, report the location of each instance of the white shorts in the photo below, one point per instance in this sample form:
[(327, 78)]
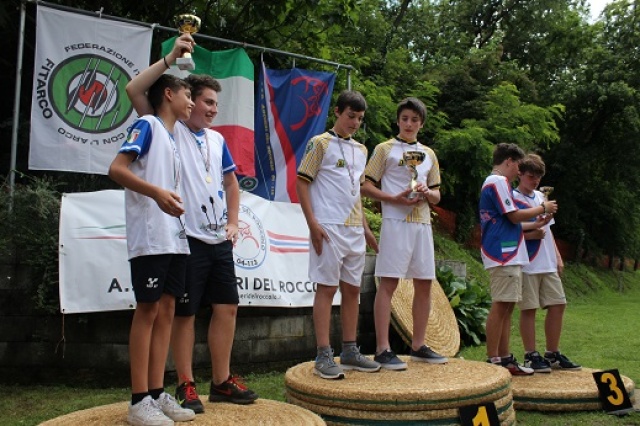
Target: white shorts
[(342, 257), (406, 250)]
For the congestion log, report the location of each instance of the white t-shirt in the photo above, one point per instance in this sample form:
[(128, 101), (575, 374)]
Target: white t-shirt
[(150, 231), (335, 168), (542, 253), (387, 167), (205, 159)]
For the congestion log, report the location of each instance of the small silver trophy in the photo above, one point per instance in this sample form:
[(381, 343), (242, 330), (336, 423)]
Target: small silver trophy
[(412, 159), (187, 23)]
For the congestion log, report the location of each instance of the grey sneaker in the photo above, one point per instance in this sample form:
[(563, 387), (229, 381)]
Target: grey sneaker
[(390, 361), (326, 367), (426, 354), (352, 359)]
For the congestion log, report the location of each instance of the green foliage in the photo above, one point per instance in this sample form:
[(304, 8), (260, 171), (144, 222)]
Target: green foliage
[(30, 236), (470, 301)]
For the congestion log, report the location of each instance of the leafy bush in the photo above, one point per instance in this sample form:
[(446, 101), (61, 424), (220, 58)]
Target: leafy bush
[(470, 301), (30, 235)]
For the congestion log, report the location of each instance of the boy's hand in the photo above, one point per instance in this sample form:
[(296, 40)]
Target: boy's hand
[(318, 236), (536, 234), (550, 206), (231, 232), (169, 202), (370, 238), (402, 198), (183, 44)]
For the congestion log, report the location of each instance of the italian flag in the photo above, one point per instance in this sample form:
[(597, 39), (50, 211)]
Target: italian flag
[(234, 70)]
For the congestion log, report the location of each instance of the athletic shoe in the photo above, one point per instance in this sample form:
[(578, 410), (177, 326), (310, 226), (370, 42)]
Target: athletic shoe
[(426, 354), (326, 367), (560, 361), (536, 362), (511, 364), (390, 361), (173, 410), (187, 397), (232, 390), (147, 413), (352, 359)]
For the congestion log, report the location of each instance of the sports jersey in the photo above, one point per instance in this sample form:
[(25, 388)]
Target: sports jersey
[(335, 166), (502, 241), (387, 166), (542, 253), (150, 231), (206, 157)]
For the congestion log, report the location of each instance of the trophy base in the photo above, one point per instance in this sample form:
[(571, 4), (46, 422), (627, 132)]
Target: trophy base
[(186, 64)]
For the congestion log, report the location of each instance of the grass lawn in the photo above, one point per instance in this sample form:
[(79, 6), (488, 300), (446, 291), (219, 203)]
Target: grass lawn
[(600, 332)]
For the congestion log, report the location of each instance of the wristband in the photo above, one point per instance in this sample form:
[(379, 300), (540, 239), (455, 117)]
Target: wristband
[(164, 58), (544, 208)]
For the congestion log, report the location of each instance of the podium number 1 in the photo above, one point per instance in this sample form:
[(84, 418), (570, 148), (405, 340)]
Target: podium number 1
[(479, 415), (482, 418)]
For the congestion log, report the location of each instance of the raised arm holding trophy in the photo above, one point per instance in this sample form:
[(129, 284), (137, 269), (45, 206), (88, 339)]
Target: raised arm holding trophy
[(187, 23)]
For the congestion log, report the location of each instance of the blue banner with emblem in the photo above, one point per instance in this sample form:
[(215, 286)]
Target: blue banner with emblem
[(291, 107)]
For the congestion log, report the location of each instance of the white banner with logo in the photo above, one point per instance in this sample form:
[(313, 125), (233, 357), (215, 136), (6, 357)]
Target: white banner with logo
[(80, 111), (271, 255)]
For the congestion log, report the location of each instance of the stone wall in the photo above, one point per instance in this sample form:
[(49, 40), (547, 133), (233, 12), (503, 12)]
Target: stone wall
[(38, 346)]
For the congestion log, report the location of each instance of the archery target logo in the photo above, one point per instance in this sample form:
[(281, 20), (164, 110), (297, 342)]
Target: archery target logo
[(88, 93)]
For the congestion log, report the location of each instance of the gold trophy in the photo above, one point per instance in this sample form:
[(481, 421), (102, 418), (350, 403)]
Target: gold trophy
[(187, 23), (412, 159), (546, 191)]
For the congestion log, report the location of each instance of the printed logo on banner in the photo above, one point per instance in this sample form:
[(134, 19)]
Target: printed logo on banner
[(88, 93), (250, 250)]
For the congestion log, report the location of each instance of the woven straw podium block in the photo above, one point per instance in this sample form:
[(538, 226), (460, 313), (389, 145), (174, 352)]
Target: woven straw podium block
[(561, 391), (425, 393), (442, 334), (263, 412)]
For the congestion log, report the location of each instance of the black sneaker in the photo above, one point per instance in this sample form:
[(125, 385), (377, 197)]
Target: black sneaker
[(390, 361), (535, 361), (561, 362), (426, 354), (187, 397), (232, 390)]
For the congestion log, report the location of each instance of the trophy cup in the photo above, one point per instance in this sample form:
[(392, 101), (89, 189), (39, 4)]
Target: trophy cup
[(546, 191), (412, 159), (187, 23)]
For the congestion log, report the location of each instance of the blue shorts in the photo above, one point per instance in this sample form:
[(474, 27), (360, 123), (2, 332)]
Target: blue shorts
[(153, 275), (211, 277)]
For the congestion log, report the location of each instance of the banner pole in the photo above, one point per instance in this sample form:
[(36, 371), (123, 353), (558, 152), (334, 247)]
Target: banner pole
[(16, 105)]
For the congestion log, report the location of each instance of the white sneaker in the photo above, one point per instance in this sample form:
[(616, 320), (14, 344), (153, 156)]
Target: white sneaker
[(173, 410), (147, 413)]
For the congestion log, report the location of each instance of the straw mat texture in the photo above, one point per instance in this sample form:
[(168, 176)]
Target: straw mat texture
[(335, 415), (422, 386), (560, 391), (263, 412), (442, 333)]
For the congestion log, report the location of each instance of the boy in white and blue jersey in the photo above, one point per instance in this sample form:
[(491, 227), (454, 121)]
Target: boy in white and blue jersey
[(212, 202), (503, 251), (149, 166), (541, 284)]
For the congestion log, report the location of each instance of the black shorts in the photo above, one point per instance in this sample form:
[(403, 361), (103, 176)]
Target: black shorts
[(156, 274), (211, 277)]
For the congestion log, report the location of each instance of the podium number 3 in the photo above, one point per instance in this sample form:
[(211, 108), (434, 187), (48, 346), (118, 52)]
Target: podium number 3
[(616, 397)]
